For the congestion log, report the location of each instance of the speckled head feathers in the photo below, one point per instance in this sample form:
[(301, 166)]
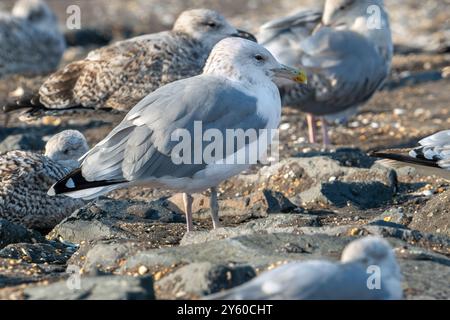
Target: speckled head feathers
[(66, 145)]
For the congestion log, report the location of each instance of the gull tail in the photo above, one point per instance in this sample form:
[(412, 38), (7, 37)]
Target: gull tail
[(74, 185)]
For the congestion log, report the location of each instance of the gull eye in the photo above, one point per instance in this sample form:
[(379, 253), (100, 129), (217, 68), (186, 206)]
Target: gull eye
[(259, 57), (211, 24), (66, 151)]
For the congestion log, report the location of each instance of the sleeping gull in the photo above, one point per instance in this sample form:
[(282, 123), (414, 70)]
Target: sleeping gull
[(351, 279), (235, 92), (120, 75), (432, 157), (26, 177), (30, 42), (348, 48)]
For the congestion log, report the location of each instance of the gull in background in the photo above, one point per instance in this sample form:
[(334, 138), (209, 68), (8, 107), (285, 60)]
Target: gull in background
[(30, 40), (118, 76), (26, 177), (235, 92), (432, 157), (348, 50), (324, 280)]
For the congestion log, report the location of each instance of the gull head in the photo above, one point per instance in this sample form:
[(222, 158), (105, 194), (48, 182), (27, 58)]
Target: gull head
[(247, 61), (344, 12), (36, 12), (372, 251), (207, 27), (66, 146)]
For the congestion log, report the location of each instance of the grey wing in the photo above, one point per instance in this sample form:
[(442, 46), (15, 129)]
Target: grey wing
[(294, 281), (141, 146), (283, 36), (435, 148), (346, 70), (27, 50), (310, 280)]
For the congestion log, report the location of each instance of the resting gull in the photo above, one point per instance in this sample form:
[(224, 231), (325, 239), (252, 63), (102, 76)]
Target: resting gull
[(354, 278), (30, 42), (26, 177), (348, 48), (118, 76), (432, 157), (235, 92)]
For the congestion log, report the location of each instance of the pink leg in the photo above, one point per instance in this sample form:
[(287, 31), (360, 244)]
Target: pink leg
[(325, 136), (311, 127), (187, 199)]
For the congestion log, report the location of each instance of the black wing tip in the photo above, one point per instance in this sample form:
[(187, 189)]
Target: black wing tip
[(403, 158), (75, 181), (25, 102)]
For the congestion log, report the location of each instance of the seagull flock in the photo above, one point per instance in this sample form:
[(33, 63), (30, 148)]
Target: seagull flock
[(204, 70)]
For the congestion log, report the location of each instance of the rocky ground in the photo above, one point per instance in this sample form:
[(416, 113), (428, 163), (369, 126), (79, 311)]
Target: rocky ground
[(312, 203)]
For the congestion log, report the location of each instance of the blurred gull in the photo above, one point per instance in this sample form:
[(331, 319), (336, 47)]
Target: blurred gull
[(234, 92), (120, 75), (348, 50), (432, 157), (324, 280), (30, 42), (26, 177)]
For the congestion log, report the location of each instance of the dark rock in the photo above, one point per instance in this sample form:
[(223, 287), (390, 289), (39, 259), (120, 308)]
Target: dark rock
[(277, 202), (95, 288), (23, 141), (37, 253), (256, 250), (199, 279), (114, 219), (14, 233)]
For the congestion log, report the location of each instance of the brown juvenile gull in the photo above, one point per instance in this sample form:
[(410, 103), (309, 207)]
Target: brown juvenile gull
[(30, 41), (234, 93), (120, 75), (432, 157), (348, 49), (353, 278), (26, 177)]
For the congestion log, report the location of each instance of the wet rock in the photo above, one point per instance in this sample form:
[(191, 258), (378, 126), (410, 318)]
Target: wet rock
[(95, 288), (434, 217), (14, 233), (199, 279), (27, 142), (114, 219)]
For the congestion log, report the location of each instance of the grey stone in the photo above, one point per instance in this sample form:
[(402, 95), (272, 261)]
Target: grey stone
[(276, 223), (434, 217), (14, 233), (196, 280), (95, 288), (105, 219), (257, 250)]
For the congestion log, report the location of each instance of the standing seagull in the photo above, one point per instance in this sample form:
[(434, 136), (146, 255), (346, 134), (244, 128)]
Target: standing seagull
[(120, 75), (234, 92), (30, 41), (26, 177), (431, 157), (348, 48), (323, 280)]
